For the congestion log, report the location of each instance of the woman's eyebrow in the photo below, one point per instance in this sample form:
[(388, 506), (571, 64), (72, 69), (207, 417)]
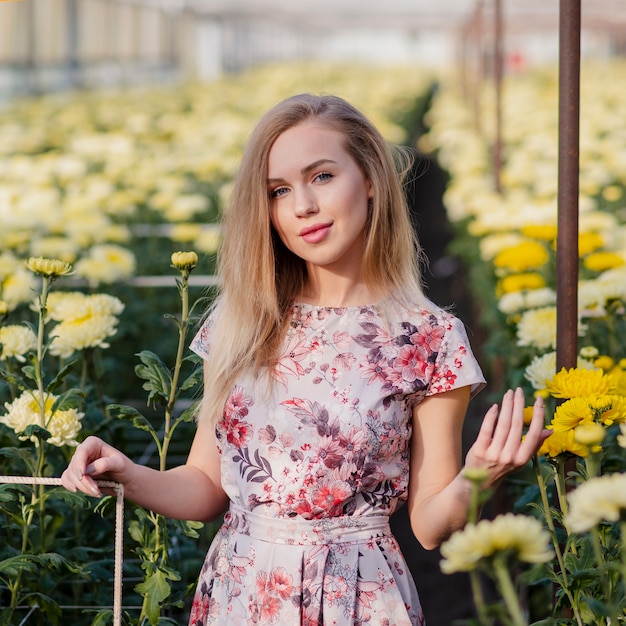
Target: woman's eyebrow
[(305, 170)]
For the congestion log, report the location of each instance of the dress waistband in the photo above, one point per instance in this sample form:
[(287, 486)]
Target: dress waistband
[(299, 531)]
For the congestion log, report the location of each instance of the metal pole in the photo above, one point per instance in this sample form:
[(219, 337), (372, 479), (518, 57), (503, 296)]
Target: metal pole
[(498, 72), (568, 183)]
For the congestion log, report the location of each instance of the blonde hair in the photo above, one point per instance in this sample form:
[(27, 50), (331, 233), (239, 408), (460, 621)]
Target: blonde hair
[(260, 276)]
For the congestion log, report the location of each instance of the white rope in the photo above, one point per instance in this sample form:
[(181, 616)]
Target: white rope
[(119, 529)]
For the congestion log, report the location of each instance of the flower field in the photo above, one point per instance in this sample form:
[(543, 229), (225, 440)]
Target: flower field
[(508, 241), (100, 193)]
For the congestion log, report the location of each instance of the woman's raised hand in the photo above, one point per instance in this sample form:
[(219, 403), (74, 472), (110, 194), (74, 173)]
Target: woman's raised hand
[(93, 459), (499, 447)]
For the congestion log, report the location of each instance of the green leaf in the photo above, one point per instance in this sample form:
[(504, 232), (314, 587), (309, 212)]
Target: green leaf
[(155, 589), (189, 528), (30, 372), (157, 376), (11, 567), (138, 419), (58, 379), (34, 430), (195, 378), (70, 399), (13, 379)]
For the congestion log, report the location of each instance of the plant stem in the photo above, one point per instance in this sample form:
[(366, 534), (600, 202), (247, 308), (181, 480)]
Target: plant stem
[(507, 590), (43, 299), (479, 599), (547, 512), (182, 335), (601, 563)]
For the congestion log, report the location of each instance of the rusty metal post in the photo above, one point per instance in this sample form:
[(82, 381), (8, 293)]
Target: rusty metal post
[(498, 73), (568, 183)]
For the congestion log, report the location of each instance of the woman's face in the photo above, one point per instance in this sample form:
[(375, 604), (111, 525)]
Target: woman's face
[(318, 198)]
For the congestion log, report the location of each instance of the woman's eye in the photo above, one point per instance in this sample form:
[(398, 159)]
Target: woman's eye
[(322, 176), (279, 191)]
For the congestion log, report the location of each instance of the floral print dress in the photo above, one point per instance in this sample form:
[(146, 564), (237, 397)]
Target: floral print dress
[(315, 463)]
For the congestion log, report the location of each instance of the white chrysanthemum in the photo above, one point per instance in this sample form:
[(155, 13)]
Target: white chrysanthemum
[(106, 263), (85, 321), (517, 301), (537, 328), (16, 340), (18, 288), (520, 535), (185, 207), (73, 335), (492, 244), (208, 241), (543, 368), (597, 500), (25, 410)]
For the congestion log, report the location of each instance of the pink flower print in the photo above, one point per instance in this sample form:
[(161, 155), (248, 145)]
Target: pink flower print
[(428, 337), (238, 433), (289, 362), (280, 583), (352, 441), (330, 495), (330, 452), (344, 361), (237, 404), (341, 340), (200, 610), (335, 588), (374, 371), (411, 362)]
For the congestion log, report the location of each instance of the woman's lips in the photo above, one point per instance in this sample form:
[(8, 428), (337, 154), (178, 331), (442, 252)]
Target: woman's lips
[(315, 233)]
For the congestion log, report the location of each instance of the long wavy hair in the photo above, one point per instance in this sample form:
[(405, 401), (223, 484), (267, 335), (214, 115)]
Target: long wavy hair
[(260, 277)]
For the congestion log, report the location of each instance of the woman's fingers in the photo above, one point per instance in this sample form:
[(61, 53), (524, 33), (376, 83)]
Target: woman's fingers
[(92, 458)]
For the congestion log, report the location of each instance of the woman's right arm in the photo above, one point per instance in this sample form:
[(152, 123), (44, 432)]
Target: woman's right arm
[(189, 492)]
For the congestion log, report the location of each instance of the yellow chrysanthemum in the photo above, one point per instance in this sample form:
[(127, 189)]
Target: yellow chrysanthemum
[(562, 443), (544, 232), (25, 410), (521, 536), (4, 308), (597, 500), (602, 261), (16, 340), (50, 268), (615, 411), (575, 382), (571, 413), (588, 243), (543, 368), (604, 362), (527, 255), (520, 282)]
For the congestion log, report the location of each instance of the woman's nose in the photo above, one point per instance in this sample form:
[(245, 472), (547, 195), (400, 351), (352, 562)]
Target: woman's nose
[(305, 202)]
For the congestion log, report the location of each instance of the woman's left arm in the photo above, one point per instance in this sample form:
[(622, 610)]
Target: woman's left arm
[(439, 495)]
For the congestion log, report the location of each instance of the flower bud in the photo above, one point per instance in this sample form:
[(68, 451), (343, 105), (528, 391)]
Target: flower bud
[(184, 261), (589, 433), (476, 475), (50, 268)]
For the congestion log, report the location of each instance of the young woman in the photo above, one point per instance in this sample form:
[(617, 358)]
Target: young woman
[(335, 392)]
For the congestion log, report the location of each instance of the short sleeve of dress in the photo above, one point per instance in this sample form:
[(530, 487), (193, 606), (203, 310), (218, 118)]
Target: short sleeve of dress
[(201, 343), (455, 365)]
